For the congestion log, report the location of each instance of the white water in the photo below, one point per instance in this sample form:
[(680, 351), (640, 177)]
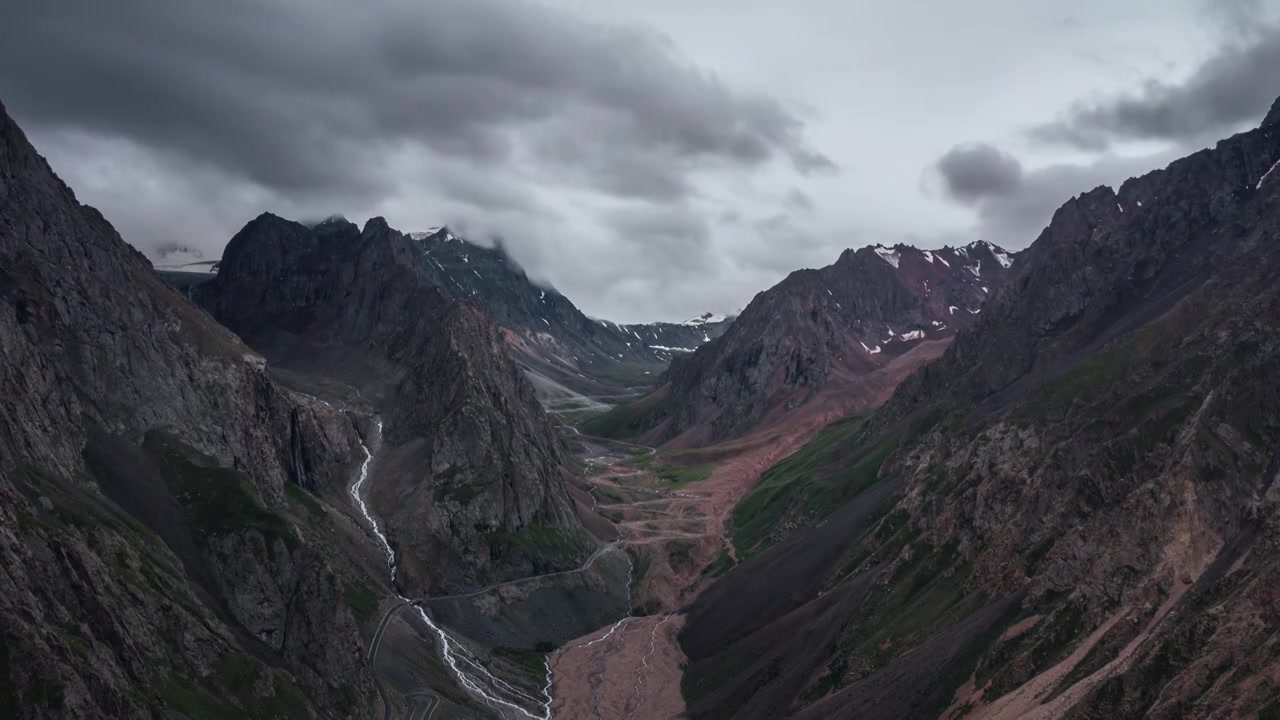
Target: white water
[(364, 509), (451, 650)]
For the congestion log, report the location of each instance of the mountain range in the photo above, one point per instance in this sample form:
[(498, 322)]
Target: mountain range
[(831, 342), (569, 356), (1070, 513), (353, 472)]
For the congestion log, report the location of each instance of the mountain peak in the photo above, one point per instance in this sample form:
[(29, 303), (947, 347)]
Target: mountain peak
[(1273, 117), (376, 225)]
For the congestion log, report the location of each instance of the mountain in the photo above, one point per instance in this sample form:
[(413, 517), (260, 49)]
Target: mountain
[(548, 335), (152, 553), (831, 341), (191, 531), (469, 464), (1071, 513), (569, 356)]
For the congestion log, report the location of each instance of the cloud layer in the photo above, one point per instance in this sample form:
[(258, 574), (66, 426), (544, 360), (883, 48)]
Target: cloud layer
[(503, 114), (1232, 89), (639, 181)]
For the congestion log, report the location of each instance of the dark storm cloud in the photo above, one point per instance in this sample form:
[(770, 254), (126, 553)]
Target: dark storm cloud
[(300, 96), (972, 173), (1233, 87)]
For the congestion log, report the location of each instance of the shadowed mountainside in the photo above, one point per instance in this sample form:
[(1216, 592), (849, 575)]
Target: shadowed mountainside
[(1070, 514), (151, 557)]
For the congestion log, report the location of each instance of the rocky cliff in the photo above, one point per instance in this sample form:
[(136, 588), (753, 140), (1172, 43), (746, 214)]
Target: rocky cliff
[(1071, 513), (850, 331), (468, 477), (151, 555)]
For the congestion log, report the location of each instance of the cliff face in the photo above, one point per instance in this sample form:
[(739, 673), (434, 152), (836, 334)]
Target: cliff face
[(1071, 512), (469, 466), (128, 572), (838, 330)]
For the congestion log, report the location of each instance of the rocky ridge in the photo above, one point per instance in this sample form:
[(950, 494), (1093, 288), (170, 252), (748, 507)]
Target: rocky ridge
[(818, 331), (544, 328), (1070, 513)]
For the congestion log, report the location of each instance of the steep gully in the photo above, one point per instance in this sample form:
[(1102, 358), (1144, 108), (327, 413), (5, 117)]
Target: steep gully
[(470, 673), (466, 668)]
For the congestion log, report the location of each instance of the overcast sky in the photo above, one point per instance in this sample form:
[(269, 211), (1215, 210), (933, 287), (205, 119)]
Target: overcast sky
[(651, 160)]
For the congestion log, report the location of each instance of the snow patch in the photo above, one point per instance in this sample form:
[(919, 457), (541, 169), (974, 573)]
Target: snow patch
[(704, 319), (889, 256), (869, 350), (1004, 260), (1267, 175), (952, 309), (424, 234), (671, 349), (928, 256), (914, 335)]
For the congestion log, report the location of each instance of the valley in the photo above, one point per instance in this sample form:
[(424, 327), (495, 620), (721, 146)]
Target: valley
[(347, 471)]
